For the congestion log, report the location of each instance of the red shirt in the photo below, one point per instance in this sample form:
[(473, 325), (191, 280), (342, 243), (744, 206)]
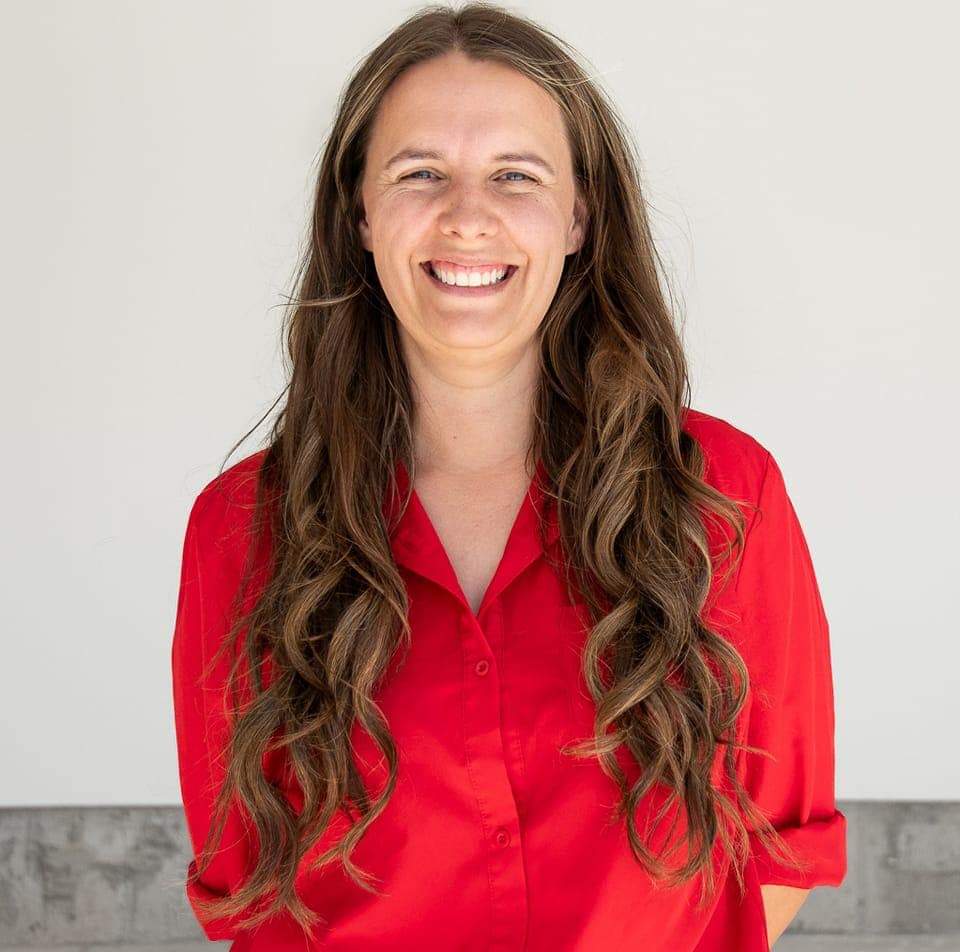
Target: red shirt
[(493, 840)]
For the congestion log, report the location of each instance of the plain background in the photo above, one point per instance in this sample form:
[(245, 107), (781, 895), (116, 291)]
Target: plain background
[(801, 164)]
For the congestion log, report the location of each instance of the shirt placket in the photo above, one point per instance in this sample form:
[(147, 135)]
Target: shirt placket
[(487, 749), (487, 757)]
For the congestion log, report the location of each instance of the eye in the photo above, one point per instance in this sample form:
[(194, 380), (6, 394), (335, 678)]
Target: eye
[(529, 178), (414, 176)]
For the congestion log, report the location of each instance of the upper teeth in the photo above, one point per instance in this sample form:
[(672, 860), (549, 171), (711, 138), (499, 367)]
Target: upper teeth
[(467, 278)]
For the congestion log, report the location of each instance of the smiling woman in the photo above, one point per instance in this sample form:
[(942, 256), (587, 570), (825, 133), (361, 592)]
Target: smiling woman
[(469, 208), (498, 644)]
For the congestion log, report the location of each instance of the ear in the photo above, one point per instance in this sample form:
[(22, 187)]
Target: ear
[(578, 226), (365, 237)]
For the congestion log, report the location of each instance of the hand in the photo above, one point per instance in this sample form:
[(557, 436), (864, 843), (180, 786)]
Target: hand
[(780, 905)]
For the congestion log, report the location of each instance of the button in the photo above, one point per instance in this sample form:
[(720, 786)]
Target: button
[(503, 836), (483, 666)]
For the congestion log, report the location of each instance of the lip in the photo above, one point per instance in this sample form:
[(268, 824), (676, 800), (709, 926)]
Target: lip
[(465, 290), (471, 263)]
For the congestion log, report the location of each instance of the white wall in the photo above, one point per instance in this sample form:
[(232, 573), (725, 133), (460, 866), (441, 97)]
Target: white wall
[(157, 165)]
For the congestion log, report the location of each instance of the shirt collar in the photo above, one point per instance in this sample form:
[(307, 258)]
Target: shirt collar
[(416, 545)]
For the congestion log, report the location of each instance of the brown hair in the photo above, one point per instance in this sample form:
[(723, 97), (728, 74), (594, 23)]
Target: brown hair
[(632, 504)]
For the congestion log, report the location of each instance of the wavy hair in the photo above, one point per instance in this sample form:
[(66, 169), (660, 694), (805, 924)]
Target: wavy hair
[(633, 508)]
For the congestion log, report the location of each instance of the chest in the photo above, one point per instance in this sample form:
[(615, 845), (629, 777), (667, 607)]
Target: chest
[(473, 521)]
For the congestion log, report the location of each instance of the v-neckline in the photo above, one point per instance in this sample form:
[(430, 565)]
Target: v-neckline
[(418, 545)]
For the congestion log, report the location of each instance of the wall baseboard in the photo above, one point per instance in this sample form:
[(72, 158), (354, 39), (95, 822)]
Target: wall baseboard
[(74, 876)]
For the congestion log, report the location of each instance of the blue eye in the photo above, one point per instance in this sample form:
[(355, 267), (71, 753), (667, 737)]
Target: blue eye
[(413, 175)]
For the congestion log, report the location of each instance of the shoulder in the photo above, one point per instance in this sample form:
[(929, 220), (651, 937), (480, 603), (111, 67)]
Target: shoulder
[(236, 485), (737, 464), (222, 512)]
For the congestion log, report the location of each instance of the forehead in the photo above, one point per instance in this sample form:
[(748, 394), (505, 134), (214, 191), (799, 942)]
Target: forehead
[(458, 106)]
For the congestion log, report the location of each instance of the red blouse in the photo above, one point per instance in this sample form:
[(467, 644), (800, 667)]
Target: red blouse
[(492, 839)]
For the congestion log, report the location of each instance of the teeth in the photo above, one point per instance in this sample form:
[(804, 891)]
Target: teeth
[(470, 279)]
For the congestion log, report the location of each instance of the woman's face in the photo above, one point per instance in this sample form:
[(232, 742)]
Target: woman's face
[(496, 189)]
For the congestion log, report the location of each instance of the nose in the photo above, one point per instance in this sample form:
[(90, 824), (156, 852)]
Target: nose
[(467, 213)]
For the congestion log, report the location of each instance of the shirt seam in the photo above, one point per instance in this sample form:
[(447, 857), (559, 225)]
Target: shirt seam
[(755, 518)]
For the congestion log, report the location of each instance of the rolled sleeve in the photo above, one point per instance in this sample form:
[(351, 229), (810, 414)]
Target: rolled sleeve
[(791, 713)]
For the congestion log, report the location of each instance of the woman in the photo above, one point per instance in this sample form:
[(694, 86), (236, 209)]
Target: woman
[(487, 534)]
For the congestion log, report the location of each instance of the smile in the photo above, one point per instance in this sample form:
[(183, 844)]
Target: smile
[(469, 290)]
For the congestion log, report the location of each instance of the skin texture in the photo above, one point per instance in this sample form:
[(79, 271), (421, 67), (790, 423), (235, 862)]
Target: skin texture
[(780, 905), (473, 362)]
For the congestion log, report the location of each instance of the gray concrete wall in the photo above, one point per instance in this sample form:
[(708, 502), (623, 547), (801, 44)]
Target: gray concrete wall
[(78, 877)]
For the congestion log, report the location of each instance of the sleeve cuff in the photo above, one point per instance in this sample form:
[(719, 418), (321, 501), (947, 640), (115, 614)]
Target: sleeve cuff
[(821, 844), (214, 929)]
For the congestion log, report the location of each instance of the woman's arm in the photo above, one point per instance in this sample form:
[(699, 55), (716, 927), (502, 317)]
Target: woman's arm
[(208, 578), (786, 637), (780, 905)]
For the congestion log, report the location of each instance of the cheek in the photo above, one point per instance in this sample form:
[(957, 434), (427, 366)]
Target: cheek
[(402, 227), (537, 225), (403, 207)]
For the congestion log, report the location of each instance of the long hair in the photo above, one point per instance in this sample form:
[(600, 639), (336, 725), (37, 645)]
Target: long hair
[(330, 610)]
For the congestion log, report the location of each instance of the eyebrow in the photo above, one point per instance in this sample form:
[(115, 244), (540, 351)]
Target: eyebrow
[(418, 154)]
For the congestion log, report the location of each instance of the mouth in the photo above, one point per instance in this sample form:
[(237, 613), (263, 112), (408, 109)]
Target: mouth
[(469, 290)]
